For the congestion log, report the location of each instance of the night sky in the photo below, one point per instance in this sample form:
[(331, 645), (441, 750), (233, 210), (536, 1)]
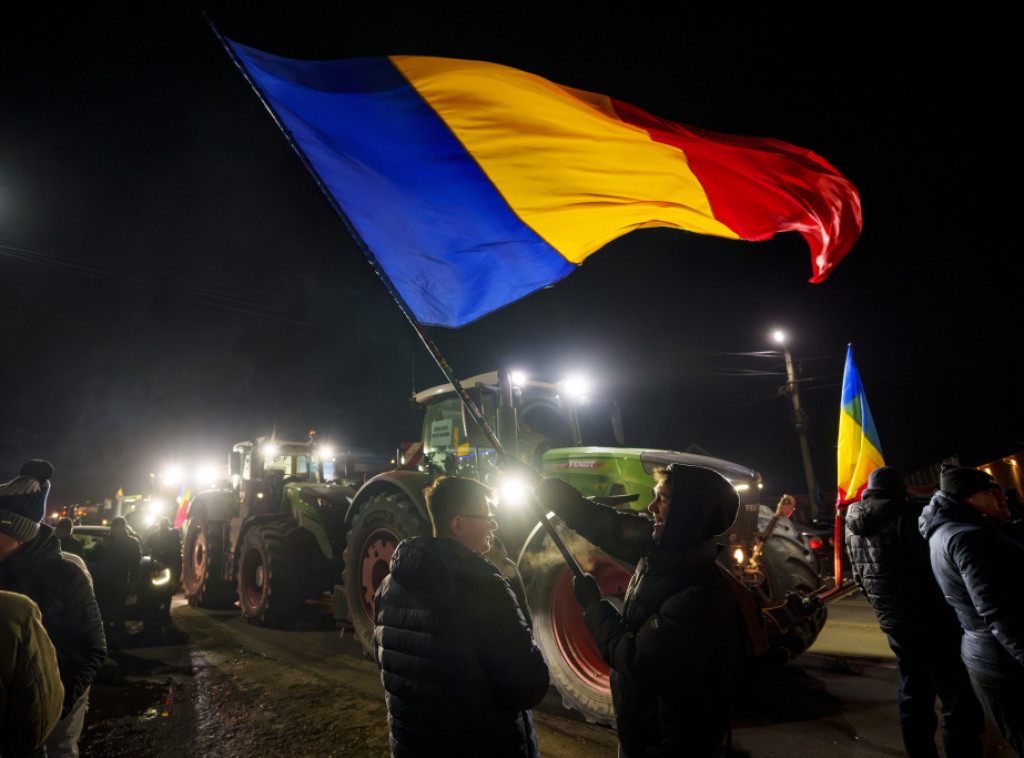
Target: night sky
[(172, 280)]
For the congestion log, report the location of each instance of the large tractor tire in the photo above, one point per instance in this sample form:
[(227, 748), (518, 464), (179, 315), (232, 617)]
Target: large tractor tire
[(384, 520), (789, 566), (269, 592), (577, 670), (203, 562)]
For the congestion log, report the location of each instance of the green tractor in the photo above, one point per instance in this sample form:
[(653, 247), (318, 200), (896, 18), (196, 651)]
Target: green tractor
[(546, 425), (271, 537)]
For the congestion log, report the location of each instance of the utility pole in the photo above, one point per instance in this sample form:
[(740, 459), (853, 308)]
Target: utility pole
[(800, 420)]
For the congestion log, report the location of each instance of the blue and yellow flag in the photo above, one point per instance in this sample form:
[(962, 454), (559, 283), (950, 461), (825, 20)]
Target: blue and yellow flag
[(859, 451), (472, 184)]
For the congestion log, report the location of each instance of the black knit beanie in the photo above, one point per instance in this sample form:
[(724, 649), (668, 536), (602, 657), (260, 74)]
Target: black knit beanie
[(886, 481), (23, 500), (962, 482)]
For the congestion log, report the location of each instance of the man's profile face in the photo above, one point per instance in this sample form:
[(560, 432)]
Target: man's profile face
[(473, 525), (991, 503)]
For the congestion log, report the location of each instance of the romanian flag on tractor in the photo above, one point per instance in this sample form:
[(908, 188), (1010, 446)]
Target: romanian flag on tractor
[(859, 451), (184, 497), (470, 185)]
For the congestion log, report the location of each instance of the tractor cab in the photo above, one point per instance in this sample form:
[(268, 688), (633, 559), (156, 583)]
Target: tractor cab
[(546, 416)]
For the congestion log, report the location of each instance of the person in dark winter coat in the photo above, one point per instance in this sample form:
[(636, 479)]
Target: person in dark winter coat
[(31, 563), (459, 667), (114, 562), (68, 542), (30, 688), (164, 544), (674, 647), (977, 563), (890, 562)]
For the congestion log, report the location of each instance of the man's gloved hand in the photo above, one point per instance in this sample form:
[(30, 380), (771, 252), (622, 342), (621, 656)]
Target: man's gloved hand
[(586, 590)]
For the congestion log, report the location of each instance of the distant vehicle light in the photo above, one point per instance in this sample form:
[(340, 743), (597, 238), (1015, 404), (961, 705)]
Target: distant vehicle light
[(207, 475), (325, 452), (171, 476)]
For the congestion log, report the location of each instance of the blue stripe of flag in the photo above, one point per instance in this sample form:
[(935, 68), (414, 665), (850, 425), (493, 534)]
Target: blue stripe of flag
[(855, 403), (442, 232)]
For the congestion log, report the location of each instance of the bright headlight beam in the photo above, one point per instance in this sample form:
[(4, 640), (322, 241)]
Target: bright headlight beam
[(162, 578), (512, 492), (171, 476), (576, 387)]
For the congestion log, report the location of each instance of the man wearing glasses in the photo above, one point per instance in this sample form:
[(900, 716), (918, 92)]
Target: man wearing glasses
[(459, 666)]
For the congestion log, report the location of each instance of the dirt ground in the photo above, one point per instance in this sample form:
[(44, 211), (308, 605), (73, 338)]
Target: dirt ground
[(208, 695), (216, 686)]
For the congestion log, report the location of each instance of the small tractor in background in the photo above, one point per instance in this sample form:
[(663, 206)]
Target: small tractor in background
[(546, 425), (272, 536)]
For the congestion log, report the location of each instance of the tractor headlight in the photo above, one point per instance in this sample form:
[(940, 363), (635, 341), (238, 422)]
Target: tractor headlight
[(513, 492), (161, 578), (739, 555)]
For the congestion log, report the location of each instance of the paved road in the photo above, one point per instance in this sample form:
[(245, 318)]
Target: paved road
[(193, 697)]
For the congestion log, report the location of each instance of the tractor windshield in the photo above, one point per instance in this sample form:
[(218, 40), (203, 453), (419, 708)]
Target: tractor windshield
[(298, 464), (455, 444)]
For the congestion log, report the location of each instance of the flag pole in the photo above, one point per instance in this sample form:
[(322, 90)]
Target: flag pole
[(425, 338)]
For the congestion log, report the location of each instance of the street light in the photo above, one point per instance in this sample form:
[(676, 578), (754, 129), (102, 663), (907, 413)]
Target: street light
[(799, 419)]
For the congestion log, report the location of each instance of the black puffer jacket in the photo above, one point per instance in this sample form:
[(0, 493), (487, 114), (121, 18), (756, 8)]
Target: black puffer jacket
[(459, 667), (977, 563), (70, 614), (890, 562), (674, 648)]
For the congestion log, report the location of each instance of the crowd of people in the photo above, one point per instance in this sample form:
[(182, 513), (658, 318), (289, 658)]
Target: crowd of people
[(941, 575), (453, 639), (61, 609)]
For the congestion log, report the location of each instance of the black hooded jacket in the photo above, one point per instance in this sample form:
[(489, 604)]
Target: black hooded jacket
[(890, 562), (70, 614), (459, 666), (977, 563), (675, 646)]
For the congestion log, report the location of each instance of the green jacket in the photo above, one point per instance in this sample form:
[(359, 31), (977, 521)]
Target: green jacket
[(30, 690)]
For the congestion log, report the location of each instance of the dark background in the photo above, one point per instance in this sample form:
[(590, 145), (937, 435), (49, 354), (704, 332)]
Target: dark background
[(172, 281)]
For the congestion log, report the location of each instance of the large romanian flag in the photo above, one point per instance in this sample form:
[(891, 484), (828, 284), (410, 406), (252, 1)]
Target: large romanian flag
[(859, 451), (473, 184)]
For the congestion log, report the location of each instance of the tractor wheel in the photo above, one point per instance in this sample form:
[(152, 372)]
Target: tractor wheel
[(789, 566), (269, 593), (384, 520), (576, 667), (203, 561)]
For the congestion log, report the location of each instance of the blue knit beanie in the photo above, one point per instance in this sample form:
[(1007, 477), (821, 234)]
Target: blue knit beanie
[(23, 500)]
